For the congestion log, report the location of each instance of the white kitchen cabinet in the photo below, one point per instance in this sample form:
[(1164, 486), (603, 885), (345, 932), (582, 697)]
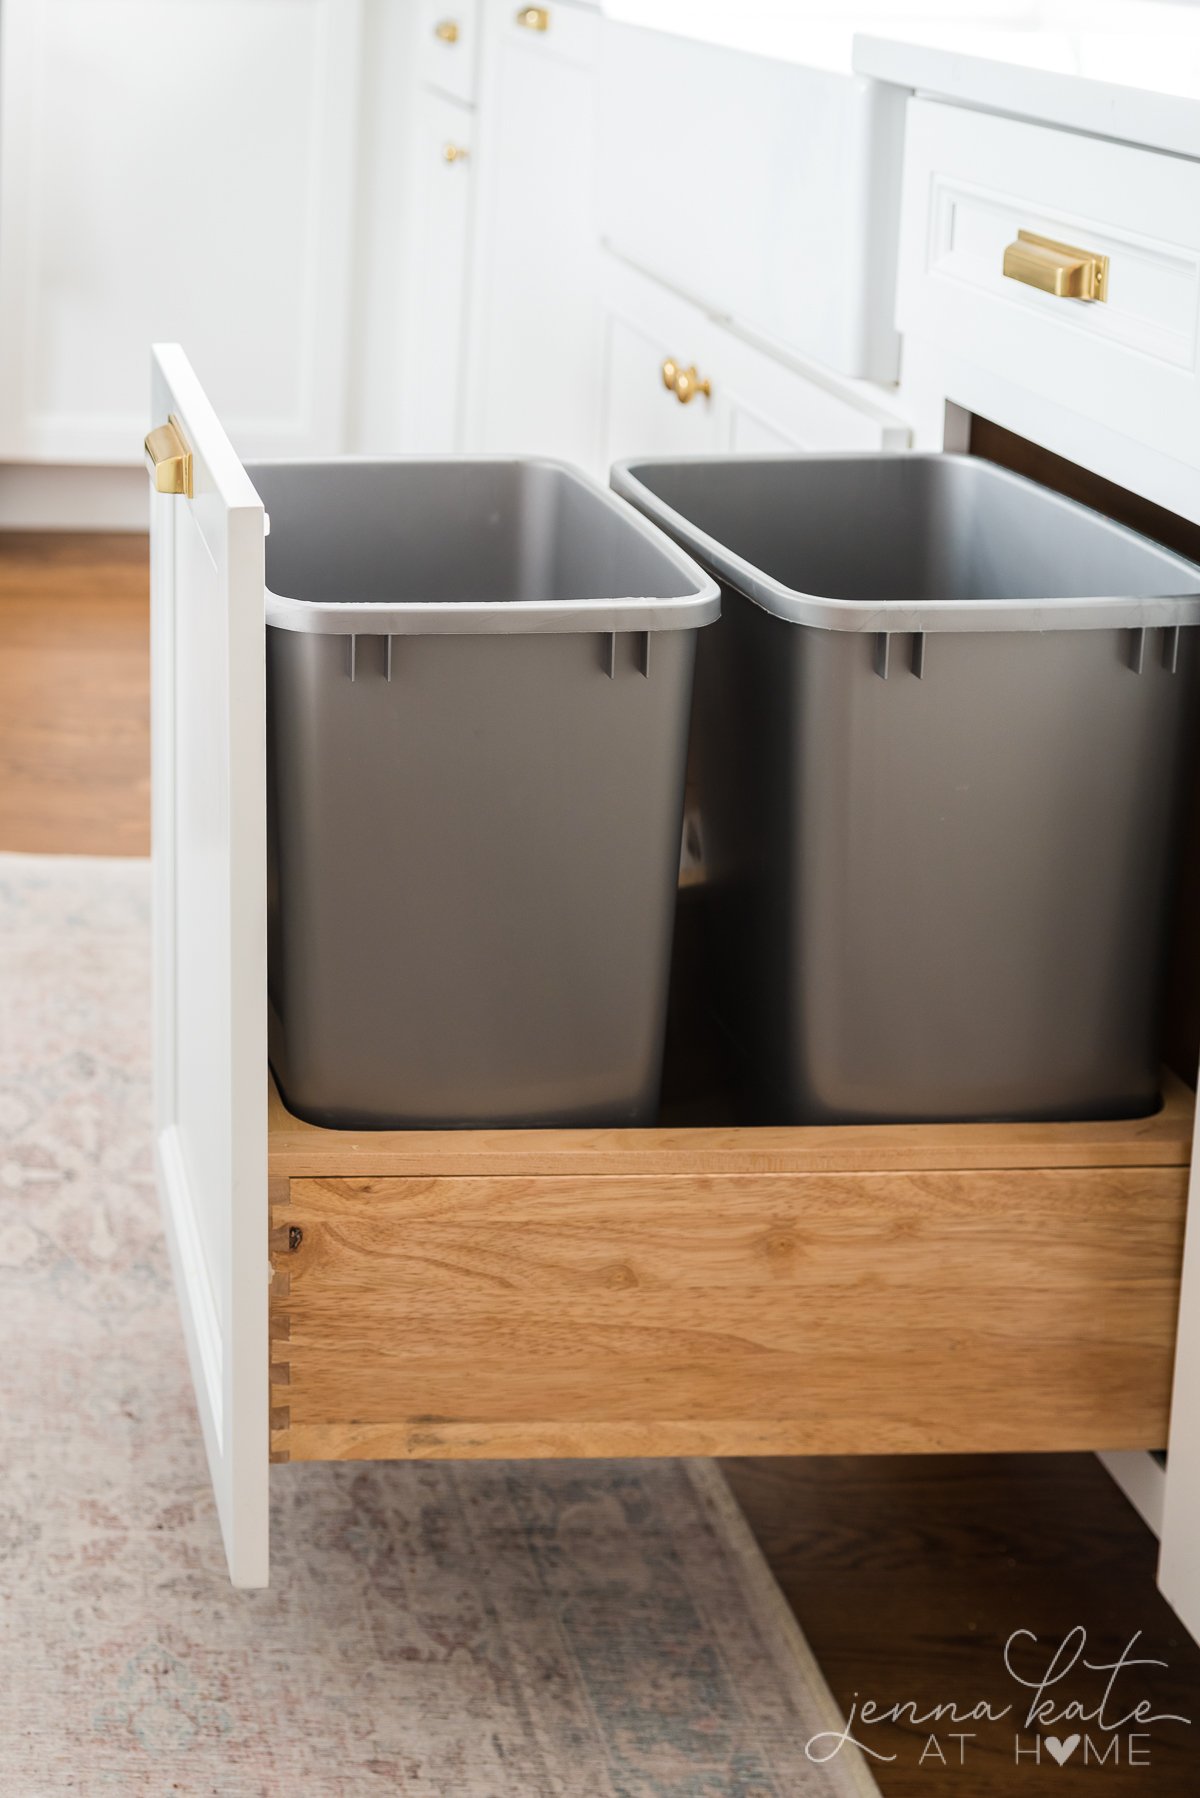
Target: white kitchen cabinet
[(174, 168), (533, 385), (755, 403), (439, 264)]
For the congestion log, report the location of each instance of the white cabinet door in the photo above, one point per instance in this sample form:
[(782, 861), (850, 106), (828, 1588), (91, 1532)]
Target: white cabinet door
[(210, 944), (534, 382), (174, 169), (434, 348)]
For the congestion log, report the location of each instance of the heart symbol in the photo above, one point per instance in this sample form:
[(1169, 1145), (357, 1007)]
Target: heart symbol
[(1062, 1751)]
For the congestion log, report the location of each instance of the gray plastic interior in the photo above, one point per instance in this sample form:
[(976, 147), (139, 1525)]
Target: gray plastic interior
[(454, 547), (910, 543)]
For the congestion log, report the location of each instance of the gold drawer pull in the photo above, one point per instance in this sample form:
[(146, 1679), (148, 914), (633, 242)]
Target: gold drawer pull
[(455, 153), (446, 31), (169, 458), (1057, 268), (684, 383), (534, 18)]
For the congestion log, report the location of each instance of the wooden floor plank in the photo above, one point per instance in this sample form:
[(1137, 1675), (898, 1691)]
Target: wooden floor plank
[(74, 694), (910, 1574)]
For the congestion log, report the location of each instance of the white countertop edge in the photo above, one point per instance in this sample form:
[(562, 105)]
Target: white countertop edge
[(1158, 120)]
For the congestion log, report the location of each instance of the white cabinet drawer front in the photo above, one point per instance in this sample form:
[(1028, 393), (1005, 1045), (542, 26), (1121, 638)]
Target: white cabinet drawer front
[(447, 42), (756, 402), (1152, 286), (973, 182), (644, 418)]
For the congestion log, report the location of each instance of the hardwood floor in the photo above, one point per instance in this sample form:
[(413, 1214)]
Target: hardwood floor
[(908, 1574), (74, 694)]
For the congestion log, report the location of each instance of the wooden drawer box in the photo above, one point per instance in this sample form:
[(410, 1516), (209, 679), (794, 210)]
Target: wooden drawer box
[(721, 1291), (1123, 368)]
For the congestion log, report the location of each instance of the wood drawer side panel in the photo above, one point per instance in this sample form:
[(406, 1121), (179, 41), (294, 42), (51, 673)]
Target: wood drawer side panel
[(823, 1313)]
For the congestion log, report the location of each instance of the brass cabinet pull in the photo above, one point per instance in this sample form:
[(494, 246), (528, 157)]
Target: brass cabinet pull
[(446, 30), (169, 458), (455, 153), (684, 383), (1057, 268), (534, 18)]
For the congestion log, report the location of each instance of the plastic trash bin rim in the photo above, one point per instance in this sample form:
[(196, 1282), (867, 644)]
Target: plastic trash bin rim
[(471, 618), (1094, 612)]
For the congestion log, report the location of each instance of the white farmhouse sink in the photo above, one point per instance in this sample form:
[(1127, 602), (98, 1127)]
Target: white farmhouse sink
[(764, 186)]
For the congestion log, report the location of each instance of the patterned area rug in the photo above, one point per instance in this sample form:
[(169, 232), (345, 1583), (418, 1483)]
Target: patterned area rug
[(606, 1630)]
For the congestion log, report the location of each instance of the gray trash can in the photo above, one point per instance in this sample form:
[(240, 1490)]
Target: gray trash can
[(944, 734), (478, 683)]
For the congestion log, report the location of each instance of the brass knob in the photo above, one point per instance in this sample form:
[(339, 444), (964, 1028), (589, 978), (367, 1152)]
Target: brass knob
[(455, 153), (684, 383), (688, 384), (534, 18), (446, 31)]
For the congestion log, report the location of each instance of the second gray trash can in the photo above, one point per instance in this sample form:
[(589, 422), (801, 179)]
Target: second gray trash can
[(478, 683), (944, 734)]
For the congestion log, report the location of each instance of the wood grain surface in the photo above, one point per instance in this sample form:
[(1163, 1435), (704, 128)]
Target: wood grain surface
[(811, 1313), (74, 694)]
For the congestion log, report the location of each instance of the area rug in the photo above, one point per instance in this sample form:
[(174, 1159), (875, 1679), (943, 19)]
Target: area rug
[(605, 1629)]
